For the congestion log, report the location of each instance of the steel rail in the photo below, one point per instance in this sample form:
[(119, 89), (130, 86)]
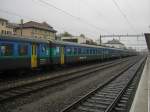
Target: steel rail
[(34, 87), (85, 98)]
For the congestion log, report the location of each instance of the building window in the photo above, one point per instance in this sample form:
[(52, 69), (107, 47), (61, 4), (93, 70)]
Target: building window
[(2, 23), (3, 31)]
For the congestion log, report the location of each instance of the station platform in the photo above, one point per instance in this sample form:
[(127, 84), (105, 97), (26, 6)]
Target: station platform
[(142, 96)]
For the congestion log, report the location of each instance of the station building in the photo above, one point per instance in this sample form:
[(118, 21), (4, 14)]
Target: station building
[(115, 43), (78, 39)]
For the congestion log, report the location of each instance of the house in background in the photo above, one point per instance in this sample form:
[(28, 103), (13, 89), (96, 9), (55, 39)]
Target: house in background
[(115, 43), (78, 39), (5, 27), (36, 30)]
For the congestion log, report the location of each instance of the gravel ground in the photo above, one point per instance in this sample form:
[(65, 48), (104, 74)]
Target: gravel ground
[(56, 98), (10, 81)]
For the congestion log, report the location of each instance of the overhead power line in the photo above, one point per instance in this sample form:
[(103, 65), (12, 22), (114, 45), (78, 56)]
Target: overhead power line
[(124, 35), (17, 15), (124, 15), (75, 17), (29, 18), (10, 13)]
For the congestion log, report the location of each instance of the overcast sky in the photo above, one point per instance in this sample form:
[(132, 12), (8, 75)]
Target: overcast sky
[(90, 17)]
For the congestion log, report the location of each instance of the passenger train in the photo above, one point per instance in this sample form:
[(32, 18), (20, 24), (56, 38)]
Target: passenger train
[(29, 53)]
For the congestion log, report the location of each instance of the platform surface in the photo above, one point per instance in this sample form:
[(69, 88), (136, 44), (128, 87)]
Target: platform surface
[(142, 96)]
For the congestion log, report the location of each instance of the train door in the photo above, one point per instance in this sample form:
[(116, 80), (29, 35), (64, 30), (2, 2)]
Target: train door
[(62, 60), (34, 56)]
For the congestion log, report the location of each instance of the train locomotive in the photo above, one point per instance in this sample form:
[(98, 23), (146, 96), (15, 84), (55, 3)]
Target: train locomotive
[(17, 53)]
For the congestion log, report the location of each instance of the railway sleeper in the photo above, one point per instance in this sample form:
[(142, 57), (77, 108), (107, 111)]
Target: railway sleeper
[(110, 92), (99, 102), (118, 109), (102, 99), (85, 109), (121, 105), (106, 95), (95, 105), (112, 89), (90, 109)]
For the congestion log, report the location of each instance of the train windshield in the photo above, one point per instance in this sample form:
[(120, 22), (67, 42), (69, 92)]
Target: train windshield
[(6, 50)]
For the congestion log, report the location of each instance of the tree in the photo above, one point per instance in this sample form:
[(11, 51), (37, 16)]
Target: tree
[(66, 34), (82, 35)]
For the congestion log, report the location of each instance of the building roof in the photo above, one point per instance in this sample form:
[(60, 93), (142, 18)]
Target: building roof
[(13, 25), (4, 19), (42, 26), (114, 41), (85, 45)]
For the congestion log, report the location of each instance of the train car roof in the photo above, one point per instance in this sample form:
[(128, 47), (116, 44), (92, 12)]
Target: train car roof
[(84, 45), (73, 44), (36, 40), (25, 39)]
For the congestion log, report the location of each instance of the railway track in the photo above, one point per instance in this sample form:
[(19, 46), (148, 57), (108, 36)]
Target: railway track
[(16, 91), (16, 83), (114, 95)]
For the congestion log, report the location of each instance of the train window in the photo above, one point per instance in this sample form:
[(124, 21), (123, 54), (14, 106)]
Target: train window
[(79, 51), (91, 52), (54, 51), (87, 51), (23, 49), (82, 50), (100, 51), (6, 50), (44, 50), (96, 51), (72, 51), (32, 50), (57, 50), (75, 51), (68, 50)]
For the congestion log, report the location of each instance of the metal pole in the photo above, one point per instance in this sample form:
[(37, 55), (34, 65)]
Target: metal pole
[(119, 38), (100, 40), (21, 26)]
